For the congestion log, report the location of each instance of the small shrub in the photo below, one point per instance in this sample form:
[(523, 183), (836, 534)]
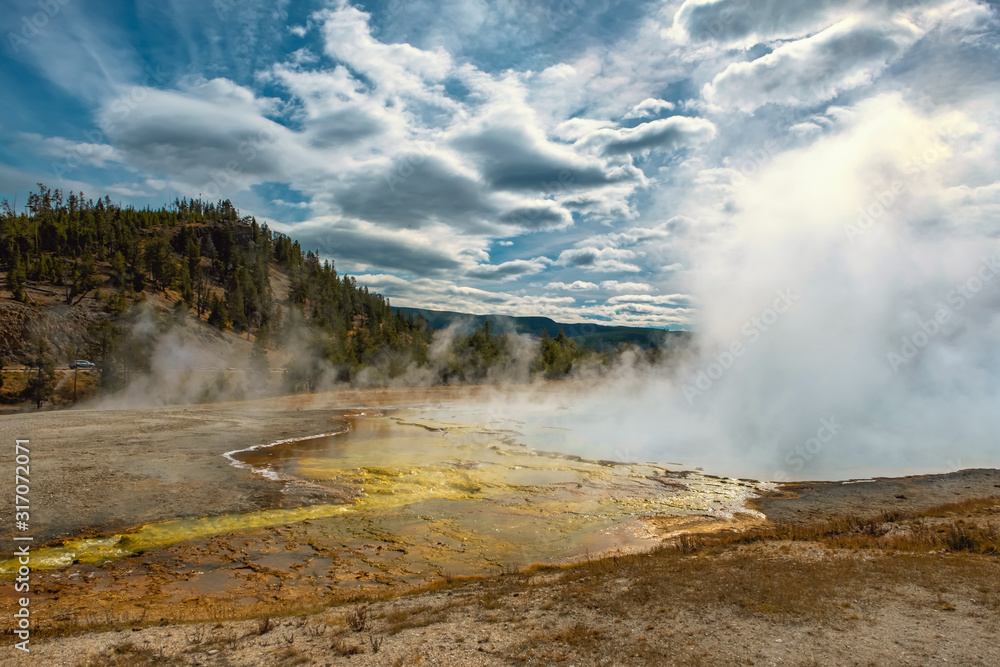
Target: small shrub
[(265, 625), (971, 539), (341, 647), (357, 620)]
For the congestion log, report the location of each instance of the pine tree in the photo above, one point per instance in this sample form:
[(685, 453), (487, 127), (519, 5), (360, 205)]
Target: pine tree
[(16, 275), (219, 315), (41, 384)]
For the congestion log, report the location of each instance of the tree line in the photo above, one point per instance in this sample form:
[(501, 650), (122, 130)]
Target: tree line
[(216, 265)]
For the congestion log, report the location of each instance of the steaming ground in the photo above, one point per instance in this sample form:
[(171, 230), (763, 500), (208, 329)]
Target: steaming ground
[(110, 469), (776, 401), (848, 291), (102, 471), (645, 417), (849, 306)]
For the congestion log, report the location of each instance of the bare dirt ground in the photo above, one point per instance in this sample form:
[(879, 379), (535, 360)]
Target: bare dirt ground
[(915, 584), (102, 471), (766, 602)]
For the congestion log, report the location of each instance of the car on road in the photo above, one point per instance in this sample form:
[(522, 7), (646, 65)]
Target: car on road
[(82, 363)]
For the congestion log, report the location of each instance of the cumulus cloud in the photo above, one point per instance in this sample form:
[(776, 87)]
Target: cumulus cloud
[(575, 286), (442, 294), (616, 286), (667, 134), (513, 158), (398, 69), (212, 135), (411, 151), (740, 21), (403, 192), (96, 154), (578, 128), (598, 259), (537, 215), (509, 270), (812, 70), (362, 246), (674, 300), (649, 107)]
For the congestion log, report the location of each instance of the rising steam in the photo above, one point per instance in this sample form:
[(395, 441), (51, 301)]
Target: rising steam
[(849, 293), (849, 323)]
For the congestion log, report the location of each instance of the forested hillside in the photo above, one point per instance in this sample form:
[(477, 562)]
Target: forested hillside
[(111, 282), (589, 335)]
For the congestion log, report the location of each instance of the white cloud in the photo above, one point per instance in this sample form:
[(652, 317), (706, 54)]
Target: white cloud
[(649, 107), (211, 135), (71, 152), (437, 294), (667, 134), (509, 270), (575, 286), (806, 128), (413, 150), (673, 300), (616, 286), (577, 128), (747, 23), (598, 259), (395, 69), (812, 70)]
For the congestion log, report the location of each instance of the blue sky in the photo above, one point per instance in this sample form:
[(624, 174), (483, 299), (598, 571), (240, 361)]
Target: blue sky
[(589, 161)]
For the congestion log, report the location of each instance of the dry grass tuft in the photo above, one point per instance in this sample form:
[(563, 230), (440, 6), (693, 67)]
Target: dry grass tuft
[(127, 654), (342, 647), (358, 619), (265, 625), (891, 531)]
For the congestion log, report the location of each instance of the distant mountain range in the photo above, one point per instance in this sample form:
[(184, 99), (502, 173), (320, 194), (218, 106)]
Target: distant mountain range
[(597, 337)]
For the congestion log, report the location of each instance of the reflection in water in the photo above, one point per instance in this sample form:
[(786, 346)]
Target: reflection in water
[(439, 492)]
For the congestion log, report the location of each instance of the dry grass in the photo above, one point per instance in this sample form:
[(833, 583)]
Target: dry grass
[(127, 654), (790, 575), (416, 617), (640, 609), (264, 625), (890, 531), (762, 583), (344, 647), (358, 619), (291, 656)]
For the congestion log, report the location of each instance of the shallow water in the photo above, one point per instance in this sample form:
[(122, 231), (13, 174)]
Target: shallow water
[(440, 492)]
